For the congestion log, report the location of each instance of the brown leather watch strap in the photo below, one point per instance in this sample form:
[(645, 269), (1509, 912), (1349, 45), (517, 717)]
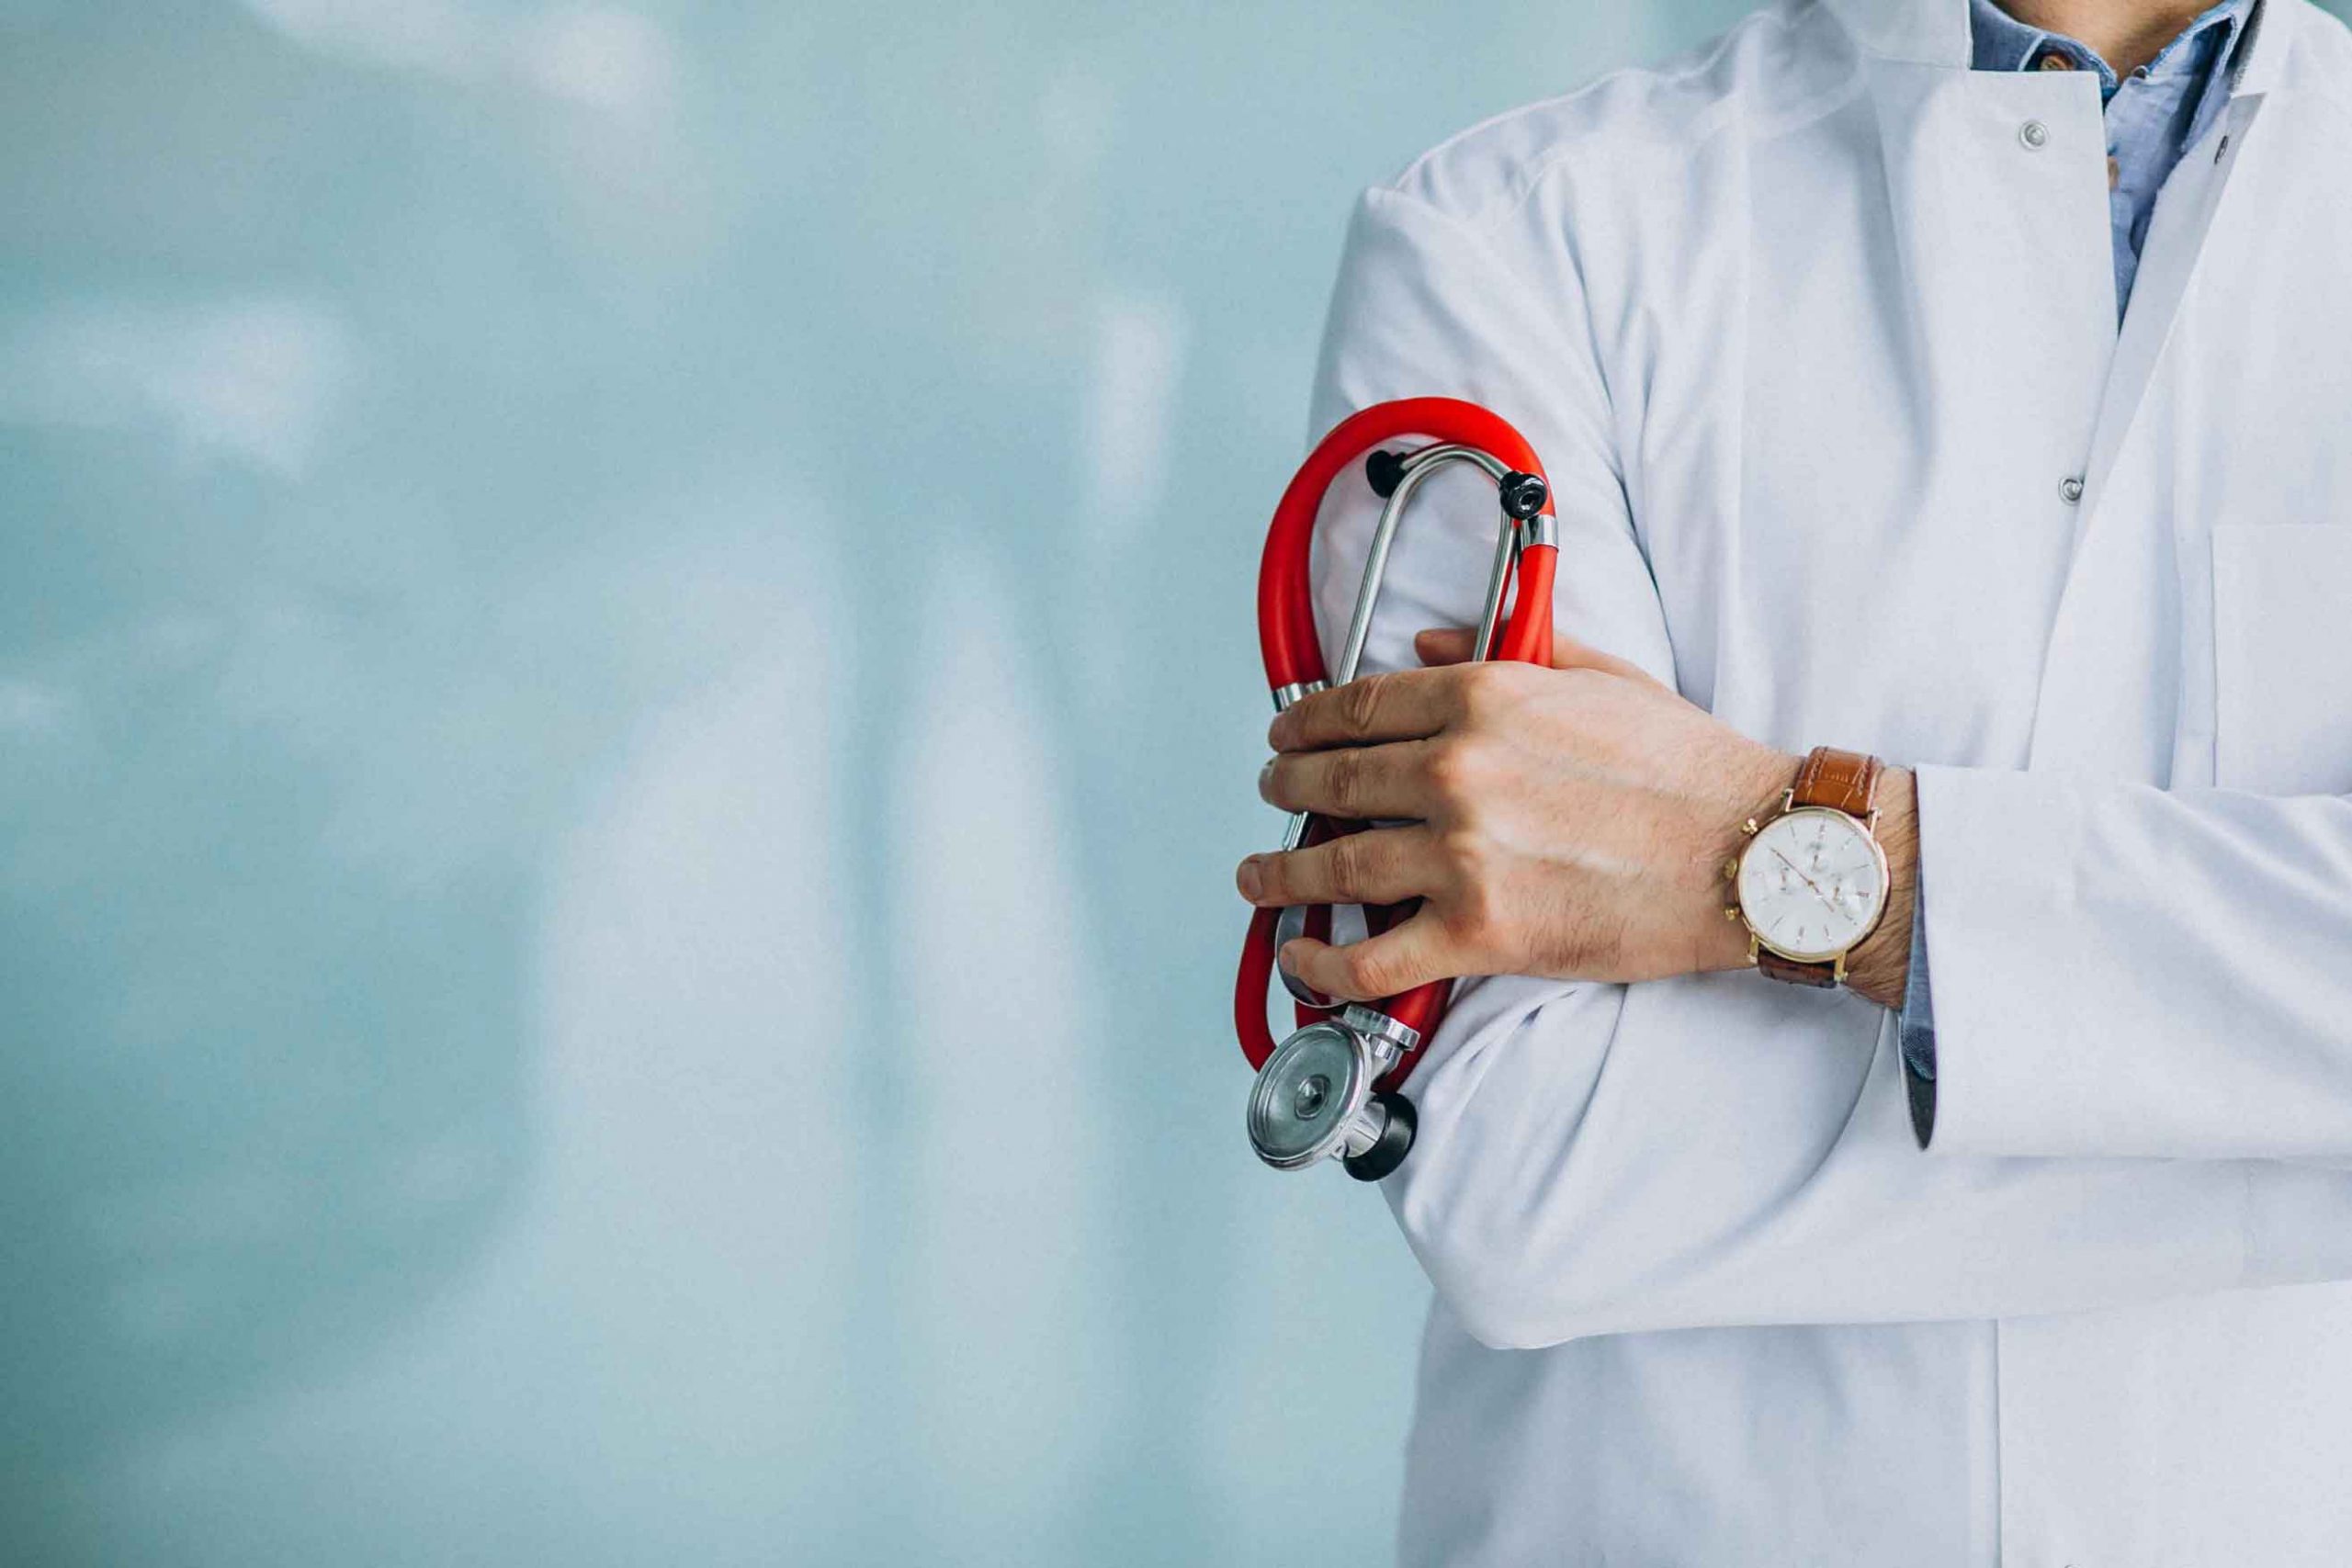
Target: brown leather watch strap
[(1842, 781), (1772, 966)]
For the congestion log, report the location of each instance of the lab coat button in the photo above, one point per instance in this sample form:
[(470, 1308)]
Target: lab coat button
[(2070, 489), (2034, 134)]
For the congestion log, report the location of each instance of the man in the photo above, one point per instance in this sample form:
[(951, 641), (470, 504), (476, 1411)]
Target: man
[(1972, 392)]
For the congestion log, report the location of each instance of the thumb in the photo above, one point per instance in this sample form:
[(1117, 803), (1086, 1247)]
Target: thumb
[(1446, 644), (1453, 645), (1568, 653)]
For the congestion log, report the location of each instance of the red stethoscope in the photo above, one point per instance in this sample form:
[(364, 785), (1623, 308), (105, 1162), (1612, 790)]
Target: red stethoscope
[(1331, 1089)]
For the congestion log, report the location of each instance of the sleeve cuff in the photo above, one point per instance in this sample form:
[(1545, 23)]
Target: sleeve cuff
[(2005, 941), (1916, 1028)]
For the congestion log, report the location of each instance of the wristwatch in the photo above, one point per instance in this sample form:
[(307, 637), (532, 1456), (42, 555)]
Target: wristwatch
[(1812, 882)]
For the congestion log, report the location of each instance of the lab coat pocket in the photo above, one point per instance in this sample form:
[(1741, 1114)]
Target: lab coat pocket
[(2282, 658)]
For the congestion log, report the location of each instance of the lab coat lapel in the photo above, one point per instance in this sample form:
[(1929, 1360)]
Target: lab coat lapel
[(2185, 215), (2119, 613), (2001, 238), (2002, 242)]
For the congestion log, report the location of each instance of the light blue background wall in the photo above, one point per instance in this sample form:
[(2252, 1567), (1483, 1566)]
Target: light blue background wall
[(627, 696)]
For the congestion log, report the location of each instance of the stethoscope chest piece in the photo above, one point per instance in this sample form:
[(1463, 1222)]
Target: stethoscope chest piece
[(1314, 1100)]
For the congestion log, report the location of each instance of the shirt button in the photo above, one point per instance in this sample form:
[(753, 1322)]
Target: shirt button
[(2034, 134), (2114, 173), (2070, 489)]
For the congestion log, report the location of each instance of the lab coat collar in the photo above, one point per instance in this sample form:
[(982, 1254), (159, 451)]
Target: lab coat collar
[(1935, 32), (2260, 48), (1915, 32)]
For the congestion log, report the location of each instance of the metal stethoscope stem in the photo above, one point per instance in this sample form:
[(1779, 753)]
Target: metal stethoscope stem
[(1330, 1090)]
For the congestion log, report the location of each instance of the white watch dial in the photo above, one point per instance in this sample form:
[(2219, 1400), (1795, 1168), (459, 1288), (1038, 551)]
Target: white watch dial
[(1811, 883)]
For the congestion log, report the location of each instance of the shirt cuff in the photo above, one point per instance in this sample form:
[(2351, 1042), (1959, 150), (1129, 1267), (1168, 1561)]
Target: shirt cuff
[(1916, 1028)]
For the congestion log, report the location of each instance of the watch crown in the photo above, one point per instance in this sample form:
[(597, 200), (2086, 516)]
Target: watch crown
[(1731, 911), (1731, 869), (1748, 827)]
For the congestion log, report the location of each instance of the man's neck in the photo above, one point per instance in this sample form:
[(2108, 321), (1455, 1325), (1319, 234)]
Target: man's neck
[(2127, 33)]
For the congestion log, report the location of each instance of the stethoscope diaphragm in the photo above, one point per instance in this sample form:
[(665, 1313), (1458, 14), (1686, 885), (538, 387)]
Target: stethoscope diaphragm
[(1314, 1100)]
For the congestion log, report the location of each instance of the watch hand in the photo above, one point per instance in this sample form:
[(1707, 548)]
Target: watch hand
[(1808, 881)]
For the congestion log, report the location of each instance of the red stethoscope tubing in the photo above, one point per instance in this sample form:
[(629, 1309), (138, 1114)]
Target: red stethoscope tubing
[(1293, 656)]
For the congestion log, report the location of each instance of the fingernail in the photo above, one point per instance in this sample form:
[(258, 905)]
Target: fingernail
[(1266, 779), (1290, 965), (1250, 880)]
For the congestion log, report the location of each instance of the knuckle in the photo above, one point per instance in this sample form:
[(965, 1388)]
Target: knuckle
[(1274, 877), (1360, 703), (1445, 769), (1344, 779), (1488, 688), (1367, 973), (1347, 862), (1462, 849), (1457, 769)]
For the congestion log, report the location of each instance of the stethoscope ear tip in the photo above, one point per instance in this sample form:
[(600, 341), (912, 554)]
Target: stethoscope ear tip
[(1523, 494)]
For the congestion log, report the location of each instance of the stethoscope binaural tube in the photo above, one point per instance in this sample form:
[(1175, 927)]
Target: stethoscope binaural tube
[(1329, 1088)]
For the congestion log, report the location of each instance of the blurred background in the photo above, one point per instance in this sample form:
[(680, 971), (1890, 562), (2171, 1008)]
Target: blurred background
[(628, 693)]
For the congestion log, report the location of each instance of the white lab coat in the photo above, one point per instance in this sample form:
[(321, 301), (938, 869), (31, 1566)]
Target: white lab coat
[(1809, 333)]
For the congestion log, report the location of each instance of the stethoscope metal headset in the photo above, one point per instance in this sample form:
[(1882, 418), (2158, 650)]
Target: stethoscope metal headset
[(1330, 1090)]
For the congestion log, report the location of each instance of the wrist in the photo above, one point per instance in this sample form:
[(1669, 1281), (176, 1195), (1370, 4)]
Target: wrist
[(1879, 965)]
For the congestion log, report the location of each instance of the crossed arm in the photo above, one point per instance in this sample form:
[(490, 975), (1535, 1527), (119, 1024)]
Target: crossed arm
[(1570, 823)]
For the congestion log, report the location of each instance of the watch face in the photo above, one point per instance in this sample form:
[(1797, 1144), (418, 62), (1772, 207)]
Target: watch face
[(1811, 883)]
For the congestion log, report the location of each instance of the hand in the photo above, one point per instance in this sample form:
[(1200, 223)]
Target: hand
[(1571, 823)]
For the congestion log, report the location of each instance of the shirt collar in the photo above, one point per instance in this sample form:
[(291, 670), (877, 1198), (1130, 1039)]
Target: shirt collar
[(1935, 33), (1998, 42)]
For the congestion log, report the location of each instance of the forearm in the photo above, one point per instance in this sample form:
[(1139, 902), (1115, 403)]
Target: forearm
[(1717, 1150), (2123, 970)]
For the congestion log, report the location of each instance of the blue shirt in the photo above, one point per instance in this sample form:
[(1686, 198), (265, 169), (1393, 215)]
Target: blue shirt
[(2153, 116)]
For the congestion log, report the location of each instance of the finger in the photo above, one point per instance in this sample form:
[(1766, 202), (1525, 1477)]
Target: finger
[(1446, 644), (1386, 866), (1453, 645), (1397, 960), (1569, 654), (1356, 782), (1406, 705)]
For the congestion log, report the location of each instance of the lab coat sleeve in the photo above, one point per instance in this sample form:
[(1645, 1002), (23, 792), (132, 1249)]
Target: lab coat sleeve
[(1712, 1150), (2125, 970)]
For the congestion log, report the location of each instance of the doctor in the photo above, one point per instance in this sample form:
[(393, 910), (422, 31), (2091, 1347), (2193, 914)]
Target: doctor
[(1967, 392)]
